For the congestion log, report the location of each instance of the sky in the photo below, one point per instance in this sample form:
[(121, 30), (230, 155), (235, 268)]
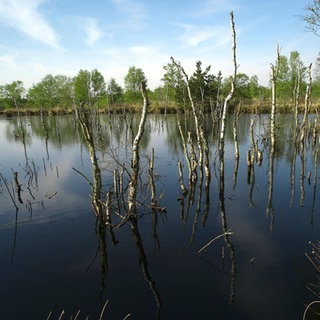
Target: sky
[(40, 37)]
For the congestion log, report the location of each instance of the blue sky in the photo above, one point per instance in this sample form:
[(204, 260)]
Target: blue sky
[(38, 37)]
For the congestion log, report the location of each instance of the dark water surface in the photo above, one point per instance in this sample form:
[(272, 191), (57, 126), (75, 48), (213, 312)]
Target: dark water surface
[(54, 258)]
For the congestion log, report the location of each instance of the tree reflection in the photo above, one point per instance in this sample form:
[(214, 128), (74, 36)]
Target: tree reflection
[(225, 224), (110, 204)]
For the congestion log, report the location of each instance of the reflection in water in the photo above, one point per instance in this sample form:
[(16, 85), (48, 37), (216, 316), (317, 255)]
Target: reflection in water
[(315, 152), (23, 189), (190, 221), (225, 229), (89, 120), (270, 210)]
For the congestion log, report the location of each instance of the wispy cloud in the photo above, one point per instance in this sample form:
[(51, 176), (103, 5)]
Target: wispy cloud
[(194, 35), (135, 11), (24, 16), (141, 50), (211, 7), (92, 30), (8, 60)]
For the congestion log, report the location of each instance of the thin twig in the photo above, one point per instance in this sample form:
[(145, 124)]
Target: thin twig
[(82, 175), (104, 307), (308, 307), (312, 262), (76, 317), (214, 239), (62, 313), (10, 194)]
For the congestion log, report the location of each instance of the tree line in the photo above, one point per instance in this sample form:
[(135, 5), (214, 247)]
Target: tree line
[(208, 89)]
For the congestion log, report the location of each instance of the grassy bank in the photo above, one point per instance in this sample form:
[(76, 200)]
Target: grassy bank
[(251, 106)]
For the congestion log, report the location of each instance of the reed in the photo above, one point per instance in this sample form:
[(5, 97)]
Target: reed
[(314, 258), (76, 317)]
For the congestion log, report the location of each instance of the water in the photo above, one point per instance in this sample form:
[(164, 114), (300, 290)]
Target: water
[(54, 256)]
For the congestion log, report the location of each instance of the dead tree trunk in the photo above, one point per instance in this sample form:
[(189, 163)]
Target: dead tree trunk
[(233, 83), (296, 96), (194, 112), (273, 79), (132, 189), (235, 134), (307, 101)]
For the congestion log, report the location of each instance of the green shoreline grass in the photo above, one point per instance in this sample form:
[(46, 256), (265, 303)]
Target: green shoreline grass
[(250, 107)]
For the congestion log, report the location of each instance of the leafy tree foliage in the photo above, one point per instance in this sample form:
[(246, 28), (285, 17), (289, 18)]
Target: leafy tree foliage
[(12, 94), (203, 86), (132, 83), (317, 69), (114, 91), (174, 84), (288, 75), (312, 17), (253, 87), (316, 80), (89, 88), (50, 92), (208, 90)]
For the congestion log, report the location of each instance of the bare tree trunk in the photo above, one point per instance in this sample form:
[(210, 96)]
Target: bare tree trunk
[(296, 96), (186, 152), (273, 79), (230, 95), (235, 134), (307, 102), (132, 189), (194, 112)]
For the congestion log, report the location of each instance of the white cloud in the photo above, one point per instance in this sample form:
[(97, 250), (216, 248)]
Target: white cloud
[(24, 16), (8, 60), (141, 50), (195, 35), (212, 7), (135, 11), (92, 30)]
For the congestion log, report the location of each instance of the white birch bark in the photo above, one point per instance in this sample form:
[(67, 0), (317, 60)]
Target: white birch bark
[(273, 79), (132, 189), (231, 92)]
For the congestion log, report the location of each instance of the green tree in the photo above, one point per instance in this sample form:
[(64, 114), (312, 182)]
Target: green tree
[(132, 82), (51, 91), (295, 63), (89, 88), (284, 69), (114, 91), (12, 94), (174, 85), (283, 79), (65, 90), (242, 86), (200, 84), (316, 82), (253, 87), (44, 94), (81, 86), (312, 17), (317, 69), (288, 75), (98, 88)]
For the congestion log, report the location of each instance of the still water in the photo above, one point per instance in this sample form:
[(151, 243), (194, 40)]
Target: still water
[(54, 257)]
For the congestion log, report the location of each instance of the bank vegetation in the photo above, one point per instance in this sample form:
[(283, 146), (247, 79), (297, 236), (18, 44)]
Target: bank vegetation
[(59, 94)]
